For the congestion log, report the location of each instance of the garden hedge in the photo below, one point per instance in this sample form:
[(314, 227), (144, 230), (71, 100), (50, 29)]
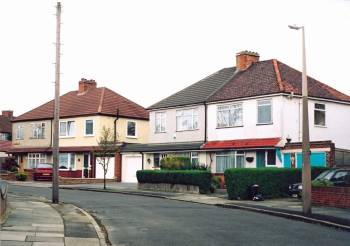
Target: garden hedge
[(273, 182), (186, 177)]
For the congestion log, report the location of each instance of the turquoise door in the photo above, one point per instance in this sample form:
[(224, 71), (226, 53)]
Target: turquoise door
[(286, 160), (260, 158)]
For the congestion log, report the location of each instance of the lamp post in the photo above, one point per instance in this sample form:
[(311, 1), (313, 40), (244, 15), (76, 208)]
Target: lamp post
[(306, 170)]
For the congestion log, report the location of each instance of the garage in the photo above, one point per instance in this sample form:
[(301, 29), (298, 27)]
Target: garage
[(110, 170), (130, 165)]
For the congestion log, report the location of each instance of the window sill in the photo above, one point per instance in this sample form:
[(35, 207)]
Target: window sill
[(264, 124), (224, 127), (89, 135), (159, 132), (320, 126), (63, 137), (36, 138), (133, 137), (187, 130)]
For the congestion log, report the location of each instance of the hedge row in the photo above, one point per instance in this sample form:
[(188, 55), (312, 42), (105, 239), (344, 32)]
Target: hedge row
[(185, 177), (273, 182)]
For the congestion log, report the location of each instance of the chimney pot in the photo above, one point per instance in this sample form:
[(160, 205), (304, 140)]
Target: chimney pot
[(245, 59), (85, 85)]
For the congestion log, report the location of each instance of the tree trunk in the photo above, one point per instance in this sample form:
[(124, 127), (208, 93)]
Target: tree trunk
[(104, 178)]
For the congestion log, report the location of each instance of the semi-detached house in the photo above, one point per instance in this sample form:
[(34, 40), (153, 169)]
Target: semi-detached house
[(246, 116), (83, 114)]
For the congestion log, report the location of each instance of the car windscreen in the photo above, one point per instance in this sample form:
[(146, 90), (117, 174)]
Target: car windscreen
[(325, 175), (44, 165)]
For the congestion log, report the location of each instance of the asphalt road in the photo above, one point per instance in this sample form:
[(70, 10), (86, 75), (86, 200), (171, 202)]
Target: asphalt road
[(139, 220)]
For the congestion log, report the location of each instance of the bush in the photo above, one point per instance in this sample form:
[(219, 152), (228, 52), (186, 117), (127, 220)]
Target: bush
[(21, 176), (175, 163), (273, 182), (10, 164), (185, 177), (215, 183)]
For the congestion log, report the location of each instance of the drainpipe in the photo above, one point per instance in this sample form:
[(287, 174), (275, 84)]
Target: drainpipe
[(115, 125), (142, 160), (205, 122)]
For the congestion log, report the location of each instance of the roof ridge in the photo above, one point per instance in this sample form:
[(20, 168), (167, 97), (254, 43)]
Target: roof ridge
[(101, 100), (278, 75)]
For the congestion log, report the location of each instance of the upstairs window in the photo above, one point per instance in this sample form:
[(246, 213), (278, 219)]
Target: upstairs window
[(160, 118), (229, 115), (67, 128), (89, 127), (265, 111), (320, 114), (19, 132), (131, 129), (38, 130), (187, 119)]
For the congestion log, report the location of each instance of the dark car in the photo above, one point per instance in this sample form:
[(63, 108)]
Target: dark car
[(43, 171), (339, 177)]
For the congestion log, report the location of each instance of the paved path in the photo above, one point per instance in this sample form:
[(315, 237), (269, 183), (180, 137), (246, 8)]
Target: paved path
[(33, 222), (147, 221)]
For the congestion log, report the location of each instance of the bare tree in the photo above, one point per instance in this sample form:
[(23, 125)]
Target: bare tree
[(106, 149)]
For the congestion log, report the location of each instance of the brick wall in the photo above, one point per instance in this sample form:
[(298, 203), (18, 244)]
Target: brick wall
[(82, 180), (331, 196), (118, 167)]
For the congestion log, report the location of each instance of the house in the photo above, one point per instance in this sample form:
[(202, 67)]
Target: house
[(247, 116), (5, 133), (83, 114)]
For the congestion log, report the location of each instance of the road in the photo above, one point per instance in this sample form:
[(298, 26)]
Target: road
[(138, 220)]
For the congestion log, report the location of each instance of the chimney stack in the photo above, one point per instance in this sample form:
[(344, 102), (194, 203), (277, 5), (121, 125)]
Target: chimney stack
[(85, 85), (245, 59), (7, 113)]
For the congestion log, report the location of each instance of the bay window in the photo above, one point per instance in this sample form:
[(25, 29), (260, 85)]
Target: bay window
[(67, 161), (34, 159), (187, 119)]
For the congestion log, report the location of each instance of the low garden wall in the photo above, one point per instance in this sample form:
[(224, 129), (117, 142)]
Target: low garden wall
[(175, 180), (273, 182), (66, 181), (331, 196)]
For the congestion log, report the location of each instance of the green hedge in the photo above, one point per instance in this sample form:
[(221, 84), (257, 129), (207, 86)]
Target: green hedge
[(185, 177), (273, 182)]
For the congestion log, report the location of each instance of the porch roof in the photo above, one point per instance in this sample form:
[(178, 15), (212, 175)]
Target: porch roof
[(242, 143), (162, 147), (19, 150)]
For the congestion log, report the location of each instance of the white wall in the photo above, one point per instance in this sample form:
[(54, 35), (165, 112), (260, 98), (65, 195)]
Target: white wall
[(170, 128), (250, 129)]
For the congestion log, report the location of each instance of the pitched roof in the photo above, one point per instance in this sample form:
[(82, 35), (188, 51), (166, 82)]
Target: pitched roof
[(242, 143), (269, 77), (5, 124), (198, 92), (94, 101)]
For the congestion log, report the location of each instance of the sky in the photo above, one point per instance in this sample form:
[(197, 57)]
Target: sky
[(148, 50)]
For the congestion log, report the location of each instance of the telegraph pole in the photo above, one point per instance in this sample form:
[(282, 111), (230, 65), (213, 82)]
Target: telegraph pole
[(55, 142)]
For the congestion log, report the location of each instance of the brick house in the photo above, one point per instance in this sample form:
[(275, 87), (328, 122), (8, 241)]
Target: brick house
[(247, 116), (83, 114)]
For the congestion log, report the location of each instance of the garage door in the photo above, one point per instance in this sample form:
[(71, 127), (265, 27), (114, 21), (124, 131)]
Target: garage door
[(130, 165), (110, 170)]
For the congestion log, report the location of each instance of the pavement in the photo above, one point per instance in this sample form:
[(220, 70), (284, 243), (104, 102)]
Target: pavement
[(35, 222), (287, 207)]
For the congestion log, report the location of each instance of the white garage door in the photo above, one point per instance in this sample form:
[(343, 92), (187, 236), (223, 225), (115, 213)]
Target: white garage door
[(110, 170), (130, 165)]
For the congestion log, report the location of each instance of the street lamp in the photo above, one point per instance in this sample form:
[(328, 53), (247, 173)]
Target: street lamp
[(306, 170)]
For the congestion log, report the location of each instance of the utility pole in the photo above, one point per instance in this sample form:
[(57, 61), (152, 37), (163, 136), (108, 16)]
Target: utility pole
[(55, 142), (306, 169)]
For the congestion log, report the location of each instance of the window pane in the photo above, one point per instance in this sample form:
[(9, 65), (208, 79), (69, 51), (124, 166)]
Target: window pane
[(264, 112), (63, 161), (63, 128), (71, 128), (89, 127), (160, 122), (320, 106), (72, 161), (131, 128), (224, 161), (320, 118), (271, 157), (240, 161), (156, 160)]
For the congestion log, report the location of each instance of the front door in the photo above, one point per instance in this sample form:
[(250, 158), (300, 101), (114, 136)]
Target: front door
[(86, 166), (260, 158)]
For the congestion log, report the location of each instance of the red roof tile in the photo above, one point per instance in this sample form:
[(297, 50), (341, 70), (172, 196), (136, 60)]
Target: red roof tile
[(49, 149), (242, 143), (95, 101), (5, 145)]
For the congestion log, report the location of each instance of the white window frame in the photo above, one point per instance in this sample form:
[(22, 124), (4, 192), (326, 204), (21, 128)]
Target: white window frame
[(257, 111), (233, 153), (34, 133), (194, 155), (66, 132), (93, 128), (37, 158), (320, 110), (69, 162), (162, 122), (194, 113), (230, 108), (127, 123), (4, 136), (19, 132)]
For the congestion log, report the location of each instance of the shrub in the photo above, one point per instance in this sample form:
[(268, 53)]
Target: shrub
[(21, 176), (175, 163), (10, 164), (185, 177), (273, 182), (215, 183)]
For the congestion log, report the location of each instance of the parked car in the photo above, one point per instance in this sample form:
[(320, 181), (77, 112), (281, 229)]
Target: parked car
[(339, 177), (43, 171)]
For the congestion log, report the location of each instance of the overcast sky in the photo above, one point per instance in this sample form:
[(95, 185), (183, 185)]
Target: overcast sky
[(147, 50)]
